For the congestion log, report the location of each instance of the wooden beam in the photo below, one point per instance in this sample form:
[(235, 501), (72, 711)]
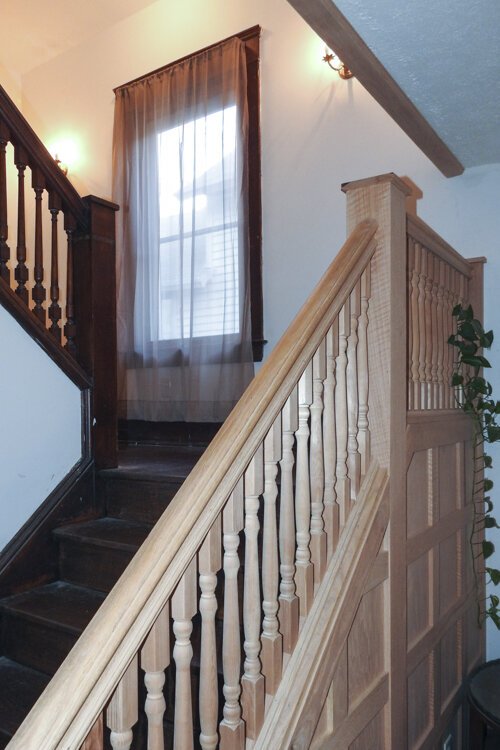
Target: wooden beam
[(327, 21)]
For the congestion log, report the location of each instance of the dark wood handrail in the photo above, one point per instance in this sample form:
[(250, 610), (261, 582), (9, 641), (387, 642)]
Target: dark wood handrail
[(22, 134)]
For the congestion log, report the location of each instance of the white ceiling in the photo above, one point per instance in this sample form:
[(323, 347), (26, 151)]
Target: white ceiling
[(444, 54)]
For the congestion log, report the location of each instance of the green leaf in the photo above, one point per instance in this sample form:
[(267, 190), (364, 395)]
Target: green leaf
[(494, 574), (457, 379), (489, 504), (467, 331), (488, 548), (475, 360), (490, 523), (487, 485), (488, 461), (494, 600), (456, 310), (493, 432)]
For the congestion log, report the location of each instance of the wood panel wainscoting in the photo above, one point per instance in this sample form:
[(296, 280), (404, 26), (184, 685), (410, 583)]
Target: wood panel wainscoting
[(309, 586)]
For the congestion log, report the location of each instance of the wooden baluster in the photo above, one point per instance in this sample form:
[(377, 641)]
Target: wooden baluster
[(4, 229), (21, 272), (342, 487), (331, 512), (420, 253), (288, 602), (304, 575), (252, 682), (183, 611), (316, 467), (232, 728), (410, 252), (353, 455), (363, 373), (442, 339), (272, 642), (95, 738), (155, 658), (122, 712), (428, 326), (209, 563), (414, 264), (70, 325), (450, 328), (54, 309), (38, 291), (434, 262)]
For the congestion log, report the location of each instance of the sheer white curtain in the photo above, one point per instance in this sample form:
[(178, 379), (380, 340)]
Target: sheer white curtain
[(180, 178)]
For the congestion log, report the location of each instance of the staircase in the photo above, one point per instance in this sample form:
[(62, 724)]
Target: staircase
[(40, 626)]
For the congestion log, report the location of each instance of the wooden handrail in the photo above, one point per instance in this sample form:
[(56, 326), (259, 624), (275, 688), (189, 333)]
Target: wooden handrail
[(22, 134), (75, 697), (421, 232)]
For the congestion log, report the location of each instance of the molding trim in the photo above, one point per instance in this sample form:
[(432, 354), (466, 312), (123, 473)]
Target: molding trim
[(327, 21)]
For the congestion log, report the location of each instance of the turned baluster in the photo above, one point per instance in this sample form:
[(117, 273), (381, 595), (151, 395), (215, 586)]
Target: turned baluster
[(95, 738), (331, 512), (316, 466), (420, 255), (252, 682), (209, 563), (434, 261), (183, 611), (304, 575), (448, 350), (414, 264), (364, 446), (342, 486), (353, 455), (122, 712), (38, 291), (21, 272), (4, 229), (288, 613), (272, 642), (442, 339), (70, 325), (54, 308), (427, 264), (155, 658), (232, 728)]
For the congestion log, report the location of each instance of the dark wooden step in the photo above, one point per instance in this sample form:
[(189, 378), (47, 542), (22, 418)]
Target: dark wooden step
[(95, 554), (20, 687), (41, 626)]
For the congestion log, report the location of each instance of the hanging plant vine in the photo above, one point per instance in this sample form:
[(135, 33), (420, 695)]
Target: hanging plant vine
[(474, 396)]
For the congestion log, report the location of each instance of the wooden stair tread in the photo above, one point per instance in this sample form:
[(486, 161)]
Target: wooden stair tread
[(155, 463), (111, 533), (20, 687), (59, 605)]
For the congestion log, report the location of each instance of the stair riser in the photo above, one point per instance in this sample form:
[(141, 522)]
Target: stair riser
[(94, 567), (35, 644), (136, 500)]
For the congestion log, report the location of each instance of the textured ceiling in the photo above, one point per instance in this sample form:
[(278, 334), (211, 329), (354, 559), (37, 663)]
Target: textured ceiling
[(445, 56)]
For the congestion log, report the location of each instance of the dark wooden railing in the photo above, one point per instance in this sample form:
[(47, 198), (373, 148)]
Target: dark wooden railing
[(57, 230)]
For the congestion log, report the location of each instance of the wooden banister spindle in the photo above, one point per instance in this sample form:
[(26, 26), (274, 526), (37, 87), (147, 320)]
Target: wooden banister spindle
[(304, 574), (364, 445), (209, 563), (420, 254), (414, 265), (353, 455), (70, 325), (316, 466), (232, 728), (427, 265), (441, 341), (342, 487), (122, 712), (288, 612), (252, 682), (272, 642), (434, 323), (331, 512), (54, 308), (449, 352), (183, 611), (21, 272), (155, 658), (38, 291), (4, 227), (95, 738)]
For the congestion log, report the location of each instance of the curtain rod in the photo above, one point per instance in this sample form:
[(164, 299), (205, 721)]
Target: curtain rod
[(245, 36)]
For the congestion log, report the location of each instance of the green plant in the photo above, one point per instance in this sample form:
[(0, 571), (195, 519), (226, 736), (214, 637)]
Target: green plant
[(474, 395)]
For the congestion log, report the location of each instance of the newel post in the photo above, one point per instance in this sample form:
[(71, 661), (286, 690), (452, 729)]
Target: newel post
[(383, 198), (94, 274)]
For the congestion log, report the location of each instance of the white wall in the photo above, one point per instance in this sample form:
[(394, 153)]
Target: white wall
[(317, 132), (40, 427)]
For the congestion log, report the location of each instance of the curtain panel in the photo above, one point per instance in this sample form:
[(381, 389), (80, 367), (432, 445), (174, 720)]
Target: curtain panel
[(180, 177)]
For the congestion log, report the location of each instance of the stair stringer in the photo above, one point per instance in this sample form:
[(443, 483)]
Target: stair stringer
[(297, 705)]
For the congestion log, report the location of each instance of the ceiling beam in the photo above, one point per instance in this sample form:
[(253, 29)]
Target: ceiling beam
[(327, 21)]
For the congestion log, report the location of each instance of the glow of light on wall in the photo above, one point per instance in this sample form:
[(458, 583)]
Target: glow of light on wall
[(68, 149)]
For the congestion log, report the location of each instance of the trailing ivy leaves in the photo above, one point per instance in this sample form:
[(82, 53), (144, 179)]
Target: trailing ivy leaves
[(473, 395)]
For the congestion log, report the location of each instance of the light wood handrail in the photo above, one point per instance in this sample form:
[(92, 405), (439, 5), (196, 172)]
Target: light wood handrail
[(421, 232), (77, 694)]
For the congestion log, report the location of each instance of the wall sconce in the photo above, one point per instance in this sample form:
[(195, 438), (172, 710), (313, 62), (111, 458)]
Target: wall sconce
[(62, 167), (336, 64)]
